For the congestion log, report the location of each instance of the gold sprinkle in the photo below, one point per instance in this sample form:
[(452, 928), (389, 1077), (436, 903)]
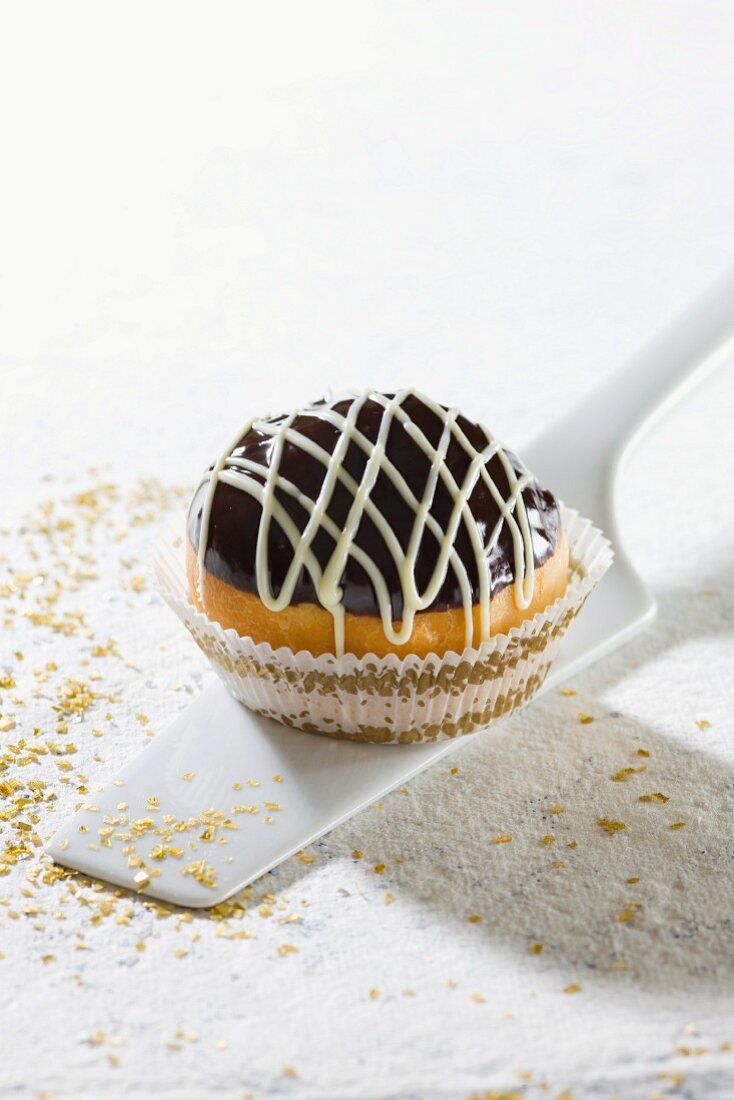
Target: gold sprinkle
[(624, 773), (378, 868), (657, 797), (609, 826), (474, 919), (574, 987), (558, 864), (453, 771), (503, 838), (478, 999), (547, 840), (677, 825), (202, 871), (633, 879), (566, 691), (188, 776), (287, 949), (277, 779), (389, 898), (356, 854), (703, 724), (585, 718), (288, 1071), (628, 912), (557, 809), (374, 994), (536, 948), (642, 752), (222, 1044)]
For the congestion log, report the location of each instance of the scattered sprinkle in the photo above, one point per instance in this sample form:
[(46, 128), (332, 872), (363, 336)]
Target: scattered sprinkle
[(625, 773), (628, 912)]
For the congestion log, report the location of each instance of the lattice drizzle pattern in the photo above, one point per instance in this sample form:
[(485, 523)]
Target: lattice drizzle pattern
[(245, 475)]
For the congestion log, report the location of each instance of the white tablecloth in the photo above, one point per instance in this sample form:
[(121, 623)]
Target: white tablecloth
[(211, 212)]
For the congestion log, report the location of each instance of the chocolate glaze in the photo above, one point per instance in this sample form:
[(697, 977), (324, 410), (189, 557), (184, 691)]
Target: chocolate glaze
[(235, 515)]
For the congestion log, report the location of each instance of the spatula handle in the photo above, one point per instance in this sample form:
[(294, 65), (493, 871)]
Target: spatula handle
[(600, 430)]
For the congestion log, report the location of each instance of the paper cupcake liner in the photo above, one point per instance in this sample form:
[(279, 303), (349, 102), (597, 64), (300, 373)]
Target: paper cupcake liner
[(391, 700)]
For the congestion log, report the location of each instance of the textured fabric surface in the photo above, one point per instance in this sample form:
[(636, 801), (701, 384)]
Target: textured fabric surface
[(396, 987), (497, 208)]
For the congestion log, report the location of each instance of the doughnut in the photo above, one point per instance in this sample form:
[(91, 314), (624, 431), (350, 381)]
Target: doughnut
[(372, 523)]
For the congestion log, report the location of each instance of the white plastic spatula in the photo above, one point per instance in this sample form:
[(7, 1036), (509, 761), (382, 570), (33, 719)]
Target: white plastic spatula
[(218, 742)]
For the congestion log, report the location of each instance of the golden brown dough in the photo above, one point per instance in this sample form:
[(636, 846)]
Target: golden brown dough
[(309, 627)]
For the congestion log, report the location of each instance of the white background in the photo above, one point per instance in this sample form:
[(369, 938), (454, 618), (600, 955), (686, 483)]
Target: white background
[(208, 209), (218, 209)]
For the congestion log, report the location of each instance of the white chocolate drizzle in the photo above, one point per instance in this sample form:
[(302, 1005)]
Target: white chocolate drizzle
[(263, 481)]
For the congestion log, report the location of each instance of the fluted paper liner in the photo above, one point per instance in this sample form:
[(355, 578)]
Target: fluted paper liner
[(391, 700)]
